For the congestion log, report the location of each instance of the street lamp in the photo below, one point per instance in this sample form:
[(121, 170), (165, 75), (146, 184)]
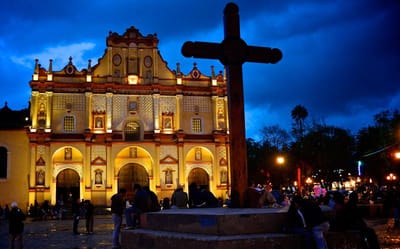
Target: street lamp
[(280, 160), (391, 177)]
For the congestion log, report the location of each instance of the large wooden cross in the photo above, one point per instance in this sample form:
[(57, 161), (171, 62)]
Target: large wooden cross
[(232, 53)]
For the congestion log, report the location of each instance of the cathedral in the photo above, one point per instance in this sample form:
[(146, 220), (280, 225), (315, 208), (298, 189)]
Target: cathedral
[(127, 119)]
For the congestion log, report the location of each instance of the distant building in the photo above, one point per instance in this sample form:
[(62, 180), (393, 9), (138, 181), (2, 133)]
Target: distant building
[(128, 119)]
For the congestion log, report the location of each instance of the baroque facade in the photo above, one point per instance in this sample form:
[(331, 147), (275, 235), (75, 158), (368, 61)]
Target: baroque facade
[(128, 119)]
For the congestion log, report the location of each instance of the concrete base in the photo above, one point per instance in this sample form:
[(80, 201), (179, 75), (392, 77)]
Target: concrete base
[(222, 228), (153, 239), (218, 221)]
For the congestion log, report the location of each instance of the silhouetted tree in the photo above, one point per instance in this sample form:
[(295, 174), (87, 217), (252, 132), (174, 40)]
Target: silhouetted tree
[(329, 150), (299, 114), (376, 143), (275, 136)]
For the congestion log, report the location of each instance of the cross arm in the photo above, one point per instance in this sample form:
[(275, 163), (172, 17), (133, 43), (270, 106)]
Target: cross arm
[(263, 54), (205, 50)]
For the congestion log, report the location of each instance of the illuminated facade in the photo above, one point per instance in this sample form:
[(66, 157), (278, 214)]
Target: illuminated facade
[(128, 119)]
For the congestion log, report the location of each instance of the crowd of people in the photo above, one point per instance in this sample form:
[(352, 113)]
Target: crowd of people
[(46, 211), (144, 200), (305, 216)]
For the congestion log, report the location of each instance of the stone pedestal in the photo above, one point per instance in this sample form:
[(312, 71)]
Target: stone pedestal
[(219, 228)]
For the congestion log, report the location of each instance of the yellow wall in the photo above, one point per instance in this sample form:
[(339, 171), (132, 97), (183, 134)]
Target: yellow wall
[(15, 187)]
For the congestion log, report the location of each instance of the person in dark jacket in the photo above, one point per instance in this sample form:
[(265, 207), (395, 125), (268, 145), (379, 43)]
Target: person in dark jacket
[(297, 223), (353, 220), (142, 202), (76, 212), (16, 226), (316, 222), (89, 216), (195, 196), (152, 202), (308, 220), (117, 209)]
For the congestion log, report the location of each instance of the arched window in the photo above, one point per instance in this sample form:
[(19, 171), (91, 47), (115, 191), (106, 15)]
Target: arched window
[(132, 131), (3, 163)]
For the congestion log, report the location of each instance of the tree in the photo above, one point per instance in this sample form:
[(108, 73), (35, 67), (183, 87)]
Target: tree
[(255, 161), (376, 143), (275, 141), (275, 136), (329, 151), (299, 114)]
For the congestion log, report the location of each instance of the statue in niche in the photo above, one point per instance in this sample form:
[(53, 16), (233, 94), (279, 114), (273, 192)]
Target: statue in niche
[(167, 123), (133, 152), (42, 115), (168, 176), (68, 154), (198, 154), (221, 113), (223, 176), (40, 177), (99, 122), (98, 176)]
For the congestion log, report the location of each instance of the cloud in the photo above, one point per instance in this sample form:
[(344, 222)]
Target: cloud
[(59, 54), (340, 57)]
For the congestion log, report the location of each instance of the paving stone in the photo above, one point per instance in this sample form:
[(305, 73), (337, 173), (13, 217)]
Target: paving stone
[(58, 234)]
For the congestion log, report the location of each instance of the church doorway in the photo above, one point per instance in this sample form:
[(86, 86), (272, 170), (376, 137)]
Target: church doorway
[(132, 174), (68, 183), (200, 177)]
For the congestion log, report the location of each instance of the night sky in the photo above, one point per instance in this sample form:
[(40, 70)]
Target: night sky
[(341, 59)]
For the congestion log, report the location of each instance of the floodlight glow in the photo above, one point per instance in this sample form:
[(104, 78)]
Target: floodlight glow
[(133, 79), (280, 160)]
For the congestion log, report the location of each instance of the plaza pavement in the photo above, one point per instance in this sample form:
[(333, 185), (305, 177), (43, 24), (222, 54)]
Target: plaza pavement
[(58, 234)]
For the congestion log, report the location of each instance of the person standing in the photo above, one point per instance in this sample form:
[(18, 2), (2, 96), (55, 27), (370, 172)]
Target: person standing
[(153, 203), (142, 202), (297, 223), (117, 208), (315, 221), (76, 212), (130, 211), (89, 216), (16, 226), (180, 198)]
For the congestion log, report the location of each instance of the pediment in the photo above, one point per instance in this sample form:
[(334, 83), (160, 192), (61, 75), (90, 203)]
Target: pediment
[(40, 162), (169, 160), (99, 161)]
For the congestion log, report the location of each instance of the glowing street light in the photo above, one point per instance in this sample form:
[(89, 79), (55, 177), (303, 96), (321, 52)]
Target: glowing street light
[(280, 160), (309, 180), (391, 177)]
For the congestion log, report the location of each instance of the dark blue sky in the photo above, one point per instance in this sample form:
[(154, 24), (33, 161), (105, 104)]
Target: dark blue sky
[(341, 58)]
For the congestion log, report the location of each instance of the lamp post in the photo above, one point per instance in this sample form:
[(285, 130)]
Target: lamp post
[(280, 160), (309, 182), (391, 177)]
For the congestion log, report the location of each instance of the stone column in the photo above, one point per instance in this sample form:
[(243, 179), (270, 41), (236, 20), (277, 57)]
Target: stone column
[(49, 107), (109, 107), (156, 112), (181, 166), (89, 110), (214, 110), (34, 108), (178, 114)]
